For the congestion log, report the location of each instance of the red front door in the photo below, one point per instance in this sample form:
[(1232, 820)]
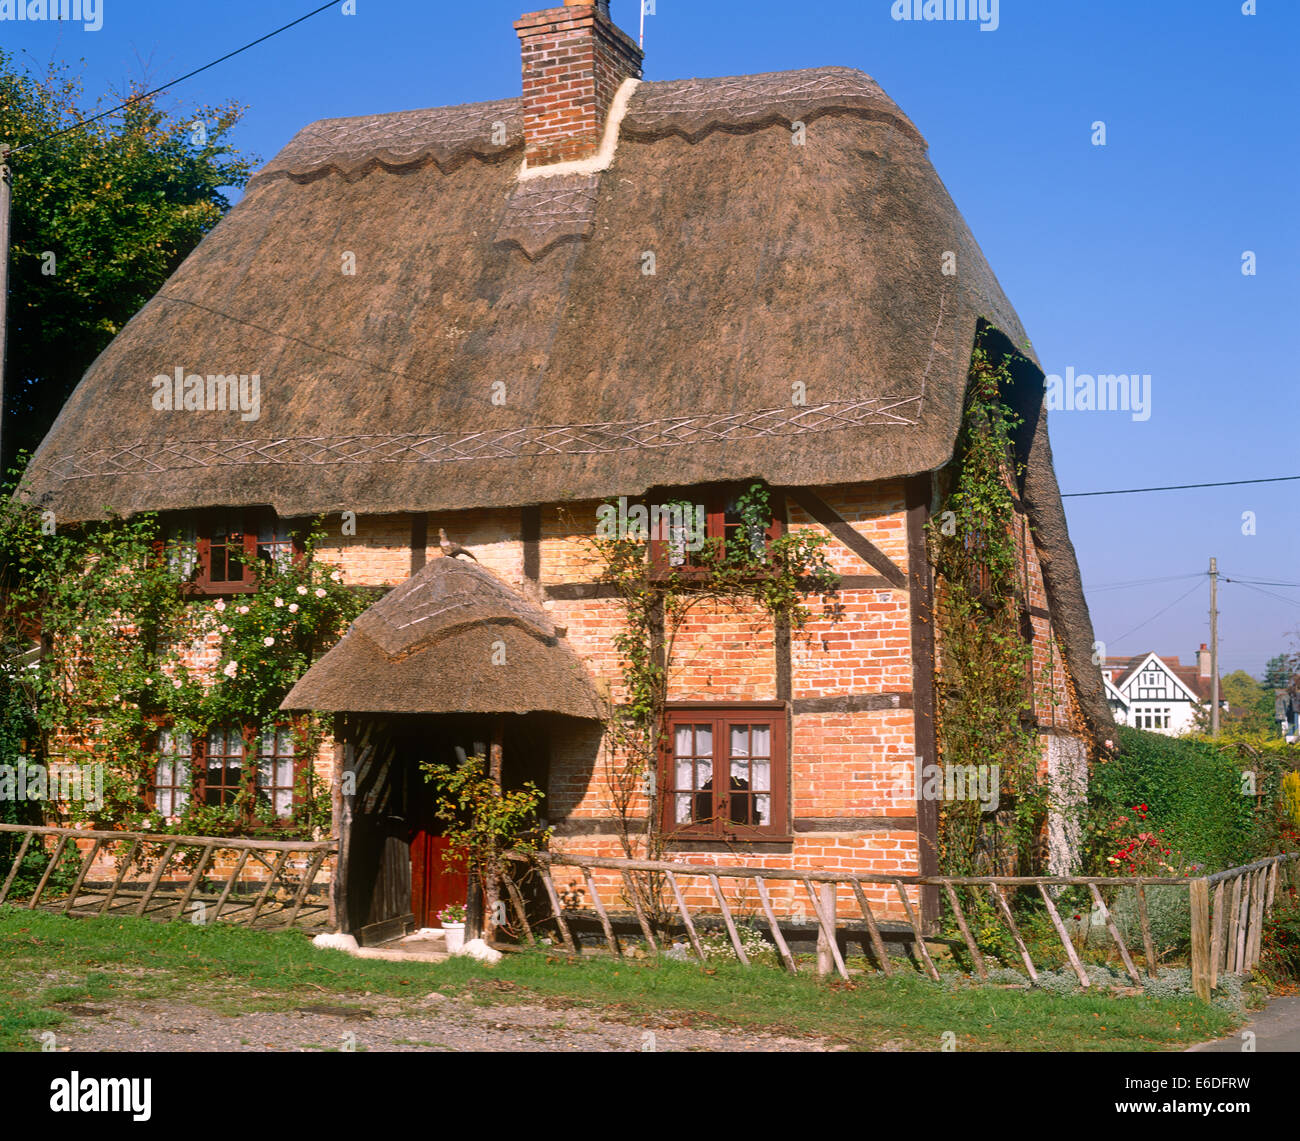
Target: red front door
[(433, 884)]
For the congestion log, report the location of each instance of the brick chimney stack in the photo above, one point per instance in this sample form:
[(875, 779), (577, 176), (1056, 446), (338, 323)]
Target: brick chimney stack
[(1203, 661), (575, 60)]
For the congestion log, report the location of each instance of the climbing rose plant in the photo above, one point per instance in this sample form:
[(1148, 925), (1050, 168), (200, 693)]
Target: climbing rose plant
[(128, 649)]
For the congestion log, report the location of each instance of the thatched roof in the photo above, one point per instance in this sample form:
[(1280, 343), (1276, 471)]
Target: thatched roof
[(501, 342), (453, 638), (775, 265)]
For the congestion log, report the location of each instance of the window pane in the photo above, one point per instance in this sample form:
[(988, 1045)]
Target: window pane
[(763, 809), (682, 741), (762, 775), (740, 740), (682, 809), (761, 740)]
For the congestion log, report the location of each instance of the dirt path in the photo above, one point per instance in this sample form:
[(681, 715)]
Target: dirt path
[(372, 1023)]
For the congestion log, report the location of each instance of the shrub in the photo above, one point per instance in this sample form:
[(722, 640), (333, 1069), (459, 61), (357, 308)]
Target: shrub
[(717, 944), (1280, 939), (1193, 794), (1168, 912)]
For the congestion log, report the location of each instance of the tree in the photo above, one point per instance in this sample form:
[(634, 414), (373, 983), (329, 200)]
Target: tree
[(1279, 671), (102, 215), (1250, 705)]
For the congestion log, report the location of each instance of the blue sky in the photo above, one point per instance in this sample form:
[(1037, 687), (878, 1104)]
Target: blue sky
[(1119, 259)]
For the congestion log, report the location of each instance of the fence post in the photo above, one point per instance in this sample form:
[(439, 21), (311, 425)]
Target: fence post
[(1198, 892)]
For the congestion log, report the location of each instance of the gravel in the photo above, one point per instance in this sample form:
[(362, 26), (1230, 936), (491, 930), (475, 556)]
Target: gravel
[(373, 1023)]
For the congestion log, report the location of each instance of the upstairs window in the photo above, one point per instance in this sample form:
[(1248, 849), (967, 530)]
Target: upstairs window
[(216, 550), (725, 530)]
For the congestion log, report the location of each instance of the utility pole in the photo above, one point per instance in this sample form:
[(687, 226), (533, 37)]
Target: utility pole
[(4, 287), (1214, 647)]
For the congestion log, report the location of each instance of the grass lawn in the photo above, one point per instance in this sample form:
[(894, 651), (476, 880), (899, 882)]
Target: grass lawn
[(48, 962)]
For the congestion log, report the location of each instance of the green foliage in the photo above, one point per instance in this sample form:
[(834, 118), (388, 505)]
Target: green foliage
[(1279, 670), (1250, 708), (1194, 798), (1280, 939), (121, 632), (118, 203), (481, 820), (984, 714)]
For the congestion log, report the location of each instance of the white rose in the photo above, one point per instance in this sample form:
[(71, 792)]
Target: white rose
[(268, 641), (293, 608)]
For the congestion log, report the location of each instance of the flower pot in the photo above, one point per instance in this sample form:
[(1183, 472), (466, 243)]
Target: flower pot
[(454, 936)]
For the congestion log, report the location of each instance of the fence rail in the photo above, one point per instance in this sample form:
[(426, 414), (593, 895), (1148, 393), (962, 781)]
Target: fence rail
[(182, 898), (1224, 937)]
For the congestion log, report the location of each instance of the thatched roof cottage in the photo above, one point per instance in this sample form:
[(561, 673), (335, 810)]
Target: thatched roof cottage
[(493, 318)]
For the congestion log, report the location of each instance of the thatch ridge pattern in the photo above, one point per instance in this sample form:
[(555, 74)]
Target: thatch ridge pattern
[(543, 211), (142, 457)]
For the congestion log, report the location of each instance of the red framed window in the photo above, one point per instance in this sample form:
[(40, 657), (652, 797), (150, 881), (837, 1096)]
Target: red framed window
[(723, 772), (216, 550), (724, 526), (276, 769), (216, 768)]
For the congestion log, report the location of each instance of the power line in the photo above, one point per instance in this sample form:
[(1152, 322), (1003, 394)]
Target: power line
[(1263, 582), (1257, 590), (1178, 487), (1103, 586), (179, 79), (1157, 614)]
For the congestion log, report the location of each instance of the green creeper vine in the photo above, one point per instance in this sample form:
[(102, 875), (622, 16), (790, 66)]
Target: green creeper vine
[(127, 649), (984, 713), (656, 600)]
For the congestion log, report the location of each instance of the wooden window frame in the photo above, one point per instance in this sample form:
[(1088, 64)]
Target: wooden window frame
[(251, 520), (198, 762), (722, 717), (714, 498)]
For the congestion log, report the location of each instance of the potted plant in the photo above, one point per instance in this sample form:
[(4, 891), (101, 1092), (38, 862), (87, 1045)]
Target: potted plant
[(452, 918)]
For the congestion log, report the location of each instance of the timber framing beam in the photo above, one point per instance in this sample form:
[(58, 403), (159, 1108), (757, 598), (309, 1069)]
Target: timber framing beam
[(838, 526), (918, 490)]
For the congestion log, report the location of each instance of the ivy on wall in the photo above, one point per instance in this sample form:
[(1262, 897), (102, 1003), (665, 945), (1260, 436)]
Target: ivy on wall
[(984, 707)]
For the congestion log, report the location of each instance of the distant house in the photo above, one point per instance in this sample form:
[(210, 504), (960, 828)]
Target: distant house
[(1157, 692), (1286, 707)]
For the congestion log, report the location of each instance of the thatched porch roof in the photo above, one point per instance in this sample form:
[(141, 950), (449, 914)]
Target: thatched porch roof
[(453, 638)]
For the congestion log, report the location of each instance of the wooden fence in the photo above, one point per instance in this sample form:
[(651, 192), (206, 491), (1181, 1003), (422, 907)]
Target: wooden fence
[(1236, 925), (157, 853), (1228, 926)]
